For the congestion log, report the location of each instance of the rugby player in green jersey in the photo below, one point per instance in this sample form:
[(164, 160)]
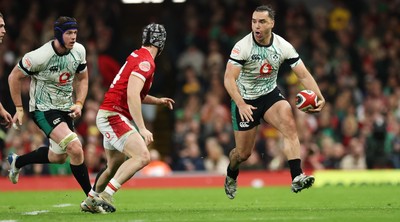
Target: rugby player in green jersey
[(56, 69), (251, 81)]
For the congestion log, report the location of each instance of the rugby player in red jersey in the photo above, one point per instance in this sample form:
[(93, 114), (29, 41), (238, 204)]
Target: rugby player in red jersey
[(120, 118)]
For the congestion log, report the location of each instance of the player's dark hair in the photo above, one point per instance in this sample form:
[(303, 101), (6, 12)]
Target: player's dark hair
[(63, 24), (263, 8)]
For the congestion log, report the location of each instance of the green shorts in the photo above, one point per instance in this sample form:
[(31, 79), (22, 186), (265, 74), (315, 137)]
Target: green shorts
[(48, 120)]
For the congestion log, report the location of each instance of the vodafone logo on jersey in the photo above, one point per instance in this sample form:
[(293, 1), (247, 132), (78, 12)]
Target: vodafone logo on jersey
[(144, 66), (63, 78), (265, 70)]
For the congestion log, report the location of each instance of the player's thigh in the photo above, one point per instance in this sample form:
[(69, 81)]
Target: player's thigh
[(281, 117), (245, 140), (60, 132), (54, 123), (135, 146)]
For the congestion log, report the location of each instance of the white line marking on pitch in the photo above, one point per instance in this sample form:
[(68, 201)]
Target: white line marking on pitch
[(63, 205), (35, 212)]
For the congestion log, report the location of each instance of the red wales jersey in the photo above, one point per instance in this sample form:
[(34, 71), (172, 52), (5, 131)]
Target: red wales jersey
[(139, 63)]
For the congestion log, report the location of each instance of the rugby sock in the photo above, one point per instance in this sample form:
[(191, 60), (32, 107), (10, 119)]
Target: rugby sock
[(41, 155), (112, 187), (295, 168), (93, 193), (232, 173), (81, 175)]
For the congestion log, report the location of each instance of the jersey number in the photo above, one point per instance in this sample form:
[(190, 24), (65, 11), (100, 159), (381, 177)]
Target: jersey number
[(118, 76)]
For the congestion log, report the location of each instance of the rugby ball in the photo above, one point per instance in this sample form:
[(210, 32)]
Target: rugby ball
[(306, 99)]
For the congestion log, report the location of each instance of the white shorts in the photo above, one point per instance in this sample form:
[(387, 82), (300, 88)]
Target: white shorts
[(115, 128)]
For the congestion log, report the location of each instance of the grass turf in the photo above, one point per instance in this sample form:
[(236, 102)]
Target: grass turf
[(361, 203)]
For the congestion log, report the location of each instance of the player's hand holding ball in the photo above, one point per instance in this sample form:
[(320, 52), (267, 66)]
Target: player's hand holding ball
[(307, 101)]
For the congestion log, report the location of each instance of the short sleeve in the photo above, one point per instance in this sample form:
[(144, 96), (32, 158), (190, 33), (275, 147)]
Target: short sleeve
[(291, 56), (82, 54), (27, 64), (238, 55)]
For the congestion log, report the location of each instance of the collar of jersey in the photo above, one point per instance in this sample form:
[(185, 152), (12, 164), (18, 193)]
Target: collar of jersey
[(269, 44), (59, 54)]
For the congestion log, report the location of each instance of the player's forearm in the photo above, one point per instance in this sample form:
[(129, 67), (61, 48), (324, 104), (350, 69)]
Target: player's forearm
[(233, 90), (151, 100), (135, 109), (82, 86), (307, 80), (310, 83), (14, 81)]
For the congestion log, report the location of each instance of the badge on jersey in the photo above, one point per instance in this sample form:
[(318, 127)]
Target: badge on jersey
[(235, 51), (144, 66), (27, 63), (275, 58)]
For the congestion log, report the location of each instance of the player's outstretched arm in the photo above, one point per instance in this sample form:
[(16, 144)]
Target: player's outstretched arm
[(168, 102)]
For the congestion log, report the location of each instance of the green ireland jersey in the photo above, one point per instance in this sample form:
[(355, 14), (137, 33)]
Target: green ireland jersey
[(52, 75), (260, 64)]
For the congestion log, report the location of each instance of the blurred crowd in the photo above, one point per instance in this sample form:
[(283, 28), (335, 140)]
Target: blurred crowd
[(350, 47)]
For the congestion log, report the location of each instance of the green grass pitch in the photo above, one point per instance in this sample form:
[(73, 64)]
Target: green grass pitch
[(336, 203)]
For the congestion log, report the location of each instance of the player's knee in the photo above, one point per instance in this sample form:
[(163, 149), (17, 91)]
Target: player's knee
[(145, 158), (73, 146), (243, 156), (75, 151)]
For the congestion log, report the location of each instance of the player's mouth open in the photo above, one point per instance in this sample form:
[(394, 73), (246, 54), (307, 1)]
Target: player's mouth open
[(257, 34)]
